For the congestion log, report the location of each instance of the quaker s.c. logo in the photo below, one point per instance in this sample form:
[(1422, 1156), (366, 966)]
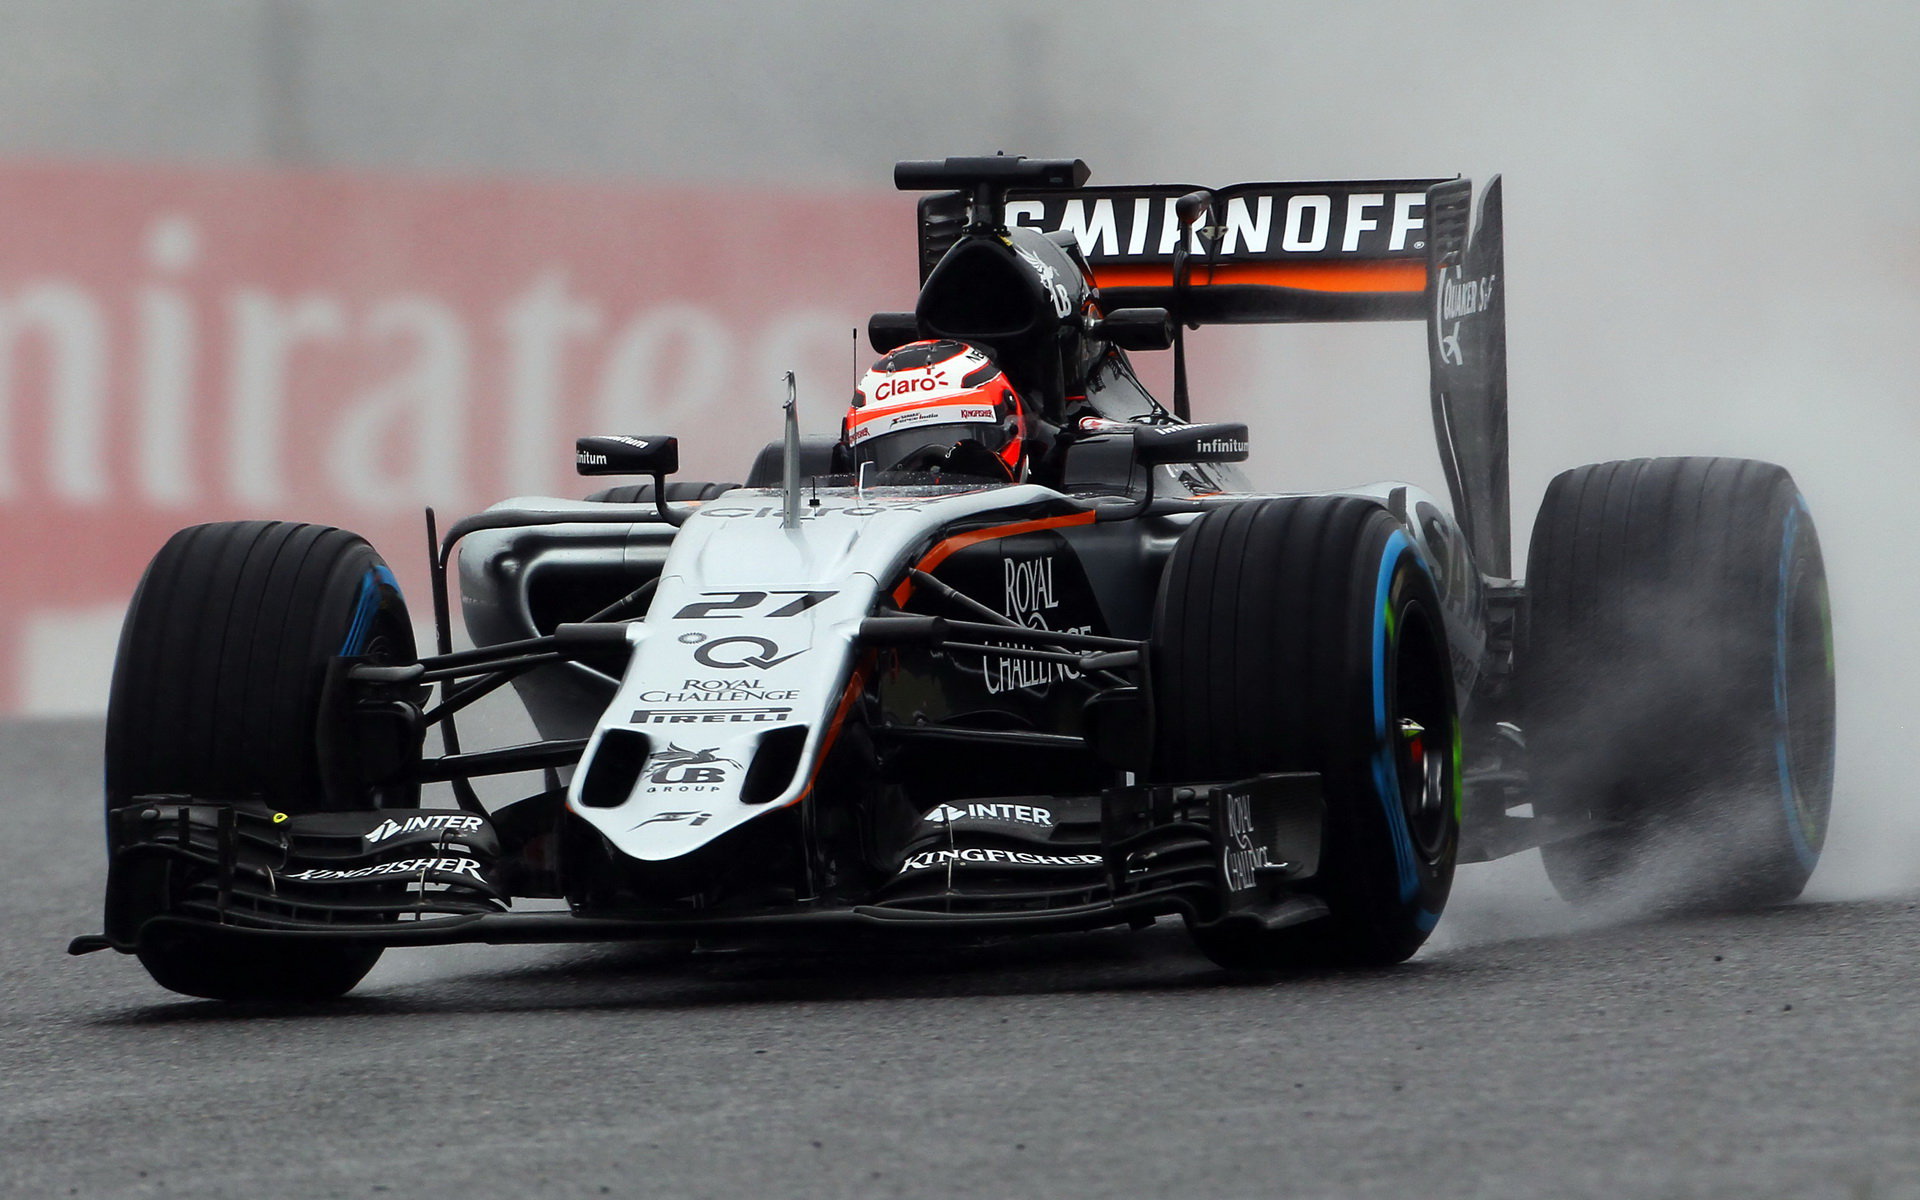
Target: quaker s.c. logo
[(675, 767), (1456, 298)]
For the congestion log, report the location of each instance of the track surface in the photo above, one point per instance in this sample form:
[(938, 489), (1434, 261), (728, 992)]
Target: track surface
[(1763, 1055)]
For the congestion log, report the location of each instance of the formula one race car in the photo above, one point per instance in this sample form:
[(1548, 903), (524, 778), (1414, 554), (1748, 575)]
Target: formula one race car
[(1017, 652)]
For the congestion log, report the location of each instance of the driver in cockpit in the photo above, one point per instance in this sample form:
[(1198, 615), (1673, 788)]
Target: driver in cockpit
[(938, 408)]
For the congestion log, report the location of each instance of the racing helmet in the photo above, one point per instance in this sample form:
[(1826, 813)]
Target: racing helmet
[(938, 406)]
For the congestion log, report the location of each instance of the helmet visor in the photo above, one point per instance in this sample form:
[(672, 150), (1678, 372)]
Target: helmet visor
[(962, 451)]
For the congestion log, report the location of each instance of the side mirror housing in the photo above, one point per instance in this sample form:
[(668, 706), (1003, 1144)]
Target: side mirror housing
[(1137, 328), (615, 455), (1192, 206), (1155, 445)]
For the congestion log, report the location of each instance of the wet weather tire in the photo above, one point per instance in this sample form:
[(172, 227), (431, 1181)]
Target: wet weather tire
[(1306, 635), (1679, 682), (217, 694)]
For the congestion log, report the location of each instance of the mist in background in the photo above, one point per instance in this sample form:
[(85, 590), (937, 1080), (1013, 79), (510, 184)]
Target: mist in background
[(1713, 210)]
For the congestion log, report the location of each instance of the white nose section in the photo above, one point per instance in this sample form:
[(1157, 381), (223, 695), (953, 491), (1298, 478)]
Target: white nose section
[(667, 770), (750, 635)]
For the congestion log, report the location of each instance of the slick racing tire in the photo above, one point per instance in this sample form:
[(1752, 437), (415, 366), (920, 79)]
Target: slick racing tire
[(1679, 682), (1307, 635), (218, 695)]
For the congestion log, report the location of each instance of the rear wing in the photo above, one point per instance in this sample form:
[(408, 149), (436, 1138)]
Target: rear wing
[(1371, 250)]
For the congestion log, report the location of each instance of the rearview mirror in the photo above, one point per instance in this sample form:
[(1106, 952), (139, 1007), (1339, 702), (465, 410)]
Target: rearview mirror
[(1137, 328), (1155, 445), (1192, 206), (626, 455)]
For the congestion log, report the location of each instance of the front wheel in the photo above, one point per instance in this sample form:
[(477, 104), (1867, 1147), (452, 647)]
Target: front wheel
[(1307, 635), (218, 694)]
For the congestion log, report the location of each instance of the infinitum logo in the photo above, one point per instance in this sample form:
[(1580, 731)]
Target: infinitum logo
[(1221, 446)]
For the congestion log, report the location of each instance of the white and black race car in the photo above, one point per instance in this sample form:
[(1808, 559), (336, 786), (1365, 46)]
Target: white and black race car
[(1017, 652)]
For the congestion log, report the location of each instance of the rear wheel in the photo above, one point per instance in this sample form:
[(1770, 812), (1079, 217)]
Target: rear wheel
[(218, 695), (1679, 682), (1306, 635)]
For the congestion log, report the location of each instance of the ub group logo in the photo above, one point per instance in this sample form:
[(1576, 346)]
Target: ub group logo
[(1049, 281), (676, 769)]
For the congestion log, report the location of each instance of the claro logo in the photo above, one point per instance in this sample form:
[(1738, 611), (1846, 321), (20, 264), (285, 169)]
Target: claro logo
[(900, 385)]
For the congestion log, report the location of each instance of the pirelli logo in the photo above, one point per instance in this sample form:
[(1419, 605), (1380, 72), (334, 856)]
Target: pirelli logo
[(710, 716)]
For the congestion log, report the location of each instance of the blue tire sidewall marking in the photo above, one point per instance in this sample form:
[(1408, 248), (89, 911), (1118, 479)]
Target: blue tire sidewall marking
[(1385, 774), (365, 606), (1796, 826)]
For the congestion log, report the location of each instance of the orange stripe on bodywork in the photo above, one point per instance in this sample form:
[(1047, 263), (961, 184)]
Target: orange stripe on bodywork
[(856, 683), (1402, 275), (857, 680), (960, 541)]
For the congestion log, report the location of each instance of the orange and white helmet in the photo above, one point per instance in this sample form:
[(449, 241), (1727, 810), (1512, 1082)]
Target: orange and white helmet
[(938, 406)]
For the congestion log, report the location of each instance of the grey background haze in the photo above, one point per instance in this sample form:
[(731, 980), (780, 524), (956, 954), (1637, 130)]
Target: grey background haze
[(1713, 210)]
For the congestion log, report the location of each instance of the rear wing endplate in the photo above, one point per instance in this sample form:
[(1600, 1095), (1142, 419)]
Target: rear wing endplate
[(1371, 250)]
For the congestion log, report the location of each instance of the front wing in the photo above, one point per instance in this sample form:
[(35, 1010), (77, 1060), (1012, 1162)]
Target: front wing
[(1244, 851)]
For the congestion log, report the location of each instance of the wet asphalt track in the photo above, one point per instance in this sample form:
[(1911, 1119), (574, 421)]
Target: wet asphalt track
[(1767, 1055)]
